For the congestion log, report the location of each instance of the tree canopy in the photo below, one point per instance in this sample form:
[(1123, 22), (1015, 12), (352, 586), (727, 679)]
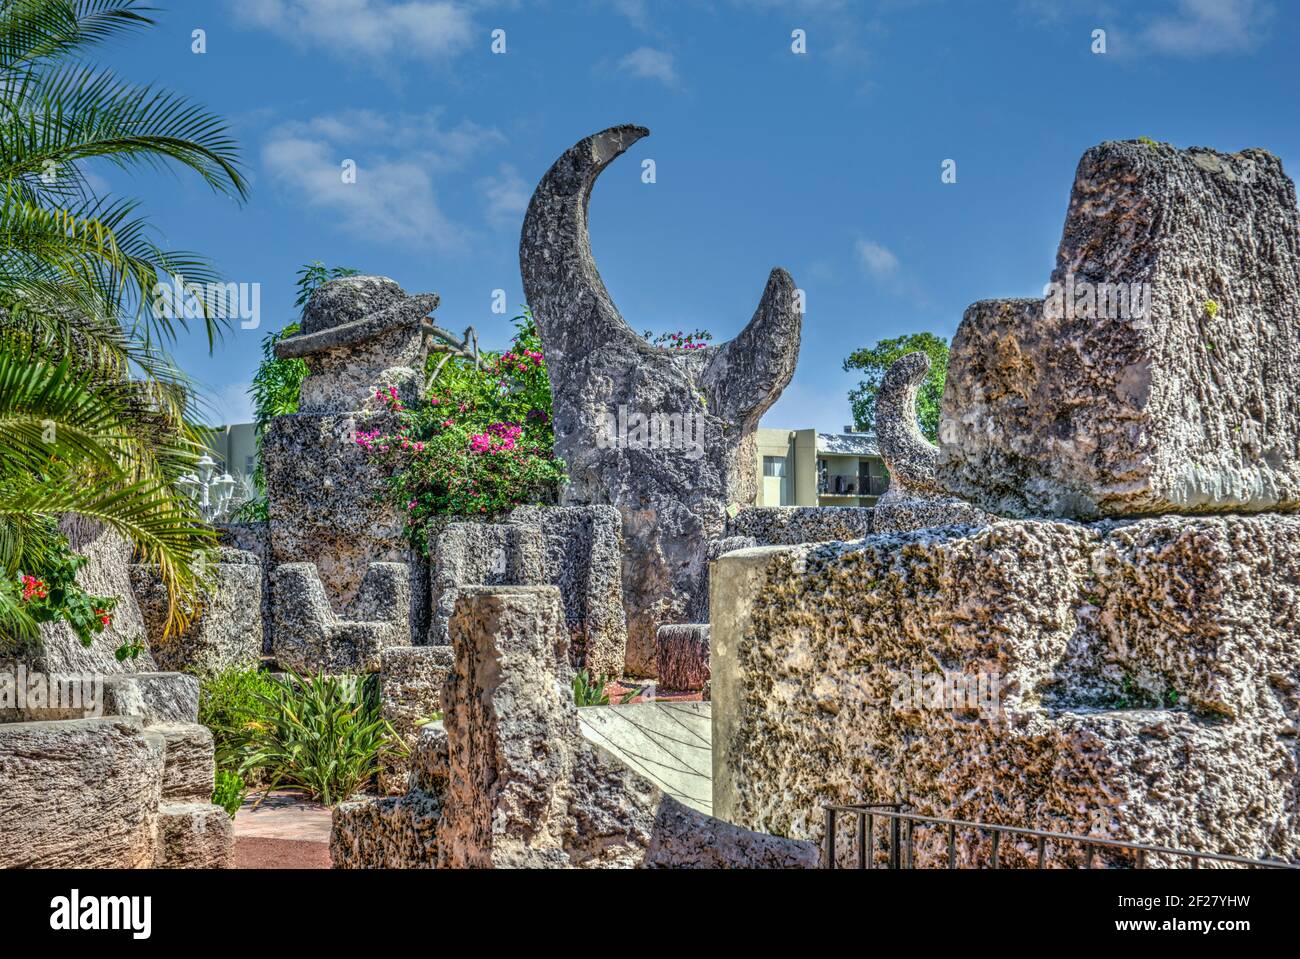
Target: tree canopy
[(873, 361)]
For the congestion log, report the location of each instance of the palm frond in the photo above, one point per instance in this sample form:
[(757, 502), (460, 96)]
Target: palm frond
[(78, 112), (36, 30)]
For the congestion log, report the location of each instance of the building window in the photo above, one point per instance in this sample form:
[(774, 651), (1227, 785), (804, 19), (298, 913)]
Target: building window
[(250, 465), (774, 466)]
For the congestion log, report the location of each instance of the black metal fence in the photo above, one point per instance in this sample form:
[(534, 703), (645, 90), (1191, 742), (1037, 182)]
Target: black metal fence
[(888, 829)]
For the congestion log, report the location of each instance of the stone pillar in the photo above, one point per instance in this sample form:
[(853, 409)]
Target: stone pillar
[(525, 788)]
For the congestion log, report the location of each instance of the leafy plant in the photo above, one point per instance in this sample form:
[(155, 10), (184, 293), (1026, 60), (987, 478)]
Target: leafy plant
[(233, 704), (55, 596), (94, 416), (129, 650), (229, 791), (99, 449), (1211, 308), (478, 443), (588, 691), (591, 692), (876, 360), (322, 734)]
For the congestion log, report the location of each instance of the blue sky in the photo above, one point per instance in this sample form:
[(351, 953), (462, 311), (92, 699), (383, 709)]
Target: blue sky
[(827, 163)]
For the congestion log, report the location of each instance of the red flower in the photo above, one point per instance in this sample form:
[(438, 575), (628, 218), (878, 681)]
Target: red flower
[(33, 587)]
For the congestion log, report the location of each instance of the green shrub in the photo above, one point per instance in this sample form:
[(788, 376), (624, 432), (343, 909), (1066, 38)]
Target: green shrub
[(49, 592), (230, 791), (591, 692), (479, 441), (323, 734), (232, 704)]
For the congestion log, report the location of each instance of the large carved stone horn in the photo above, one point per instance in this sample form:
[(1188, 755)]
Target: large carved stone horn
[(673, 501), (911, 458), (747, 374), (559, 274), (744, 376)]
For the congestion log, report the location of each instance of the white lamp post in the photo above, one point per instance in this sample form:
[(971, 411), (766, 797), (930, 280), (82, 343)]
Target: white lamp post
[(212, 493)]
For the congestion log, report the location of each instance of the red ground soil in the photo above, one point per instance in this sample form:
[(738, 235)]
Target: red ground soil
[(616, 692), (259, 852)]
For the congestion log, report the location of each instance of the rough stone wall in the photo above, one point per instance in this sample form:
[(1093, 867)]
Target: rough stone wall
[(359, 334), (672, 496), (410, 683), (684, 839), (583, 557), (791, 525), (509, 780), (577, 549), (525, 788), (253, 538), (309, 637), (225, 632), (131, 790), (1144, 669), (683, 656), (479, 554), (1062, 407), (325, 499), (80, 793), (395, 832), (782, 526)]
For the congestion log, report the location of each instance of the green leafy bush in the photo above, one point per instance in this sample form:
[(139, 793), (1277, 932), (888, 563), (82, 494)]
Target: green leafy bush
[(98, 421), (323, 734), (478, 443), (230, 791), (49, 593), (232, 703), (589, 691)]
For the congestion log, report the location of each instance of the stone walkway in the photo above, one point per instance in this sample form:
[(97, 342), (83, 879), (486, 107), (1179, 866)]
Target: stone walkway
[(285, 831)]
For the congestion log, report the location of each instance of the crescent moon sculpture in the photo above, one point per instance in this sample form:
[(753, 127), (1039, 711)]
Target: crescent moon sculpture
[(666, 436), (916, 498)]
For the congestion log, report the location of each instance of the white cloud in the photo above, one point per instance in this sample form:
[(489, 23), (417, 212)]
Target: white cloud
[(368, 29), (650, 64), (634, 11), (878, 261), (1206, 27), (401, 163), (507, 197)]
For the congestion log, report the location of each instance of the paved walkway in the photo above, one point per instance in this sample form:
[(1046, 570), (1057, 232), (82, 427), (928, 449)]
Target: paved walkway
[(284, 832)]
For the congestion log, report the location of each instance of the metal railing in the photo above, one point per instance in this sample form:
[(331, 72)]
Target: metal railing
[(902, 828)]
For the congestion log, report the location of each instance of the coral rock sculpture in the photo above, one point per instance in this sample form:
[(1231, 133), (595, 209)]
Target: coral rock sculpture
[(914, 499), (1154, 377), (666, 436)]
